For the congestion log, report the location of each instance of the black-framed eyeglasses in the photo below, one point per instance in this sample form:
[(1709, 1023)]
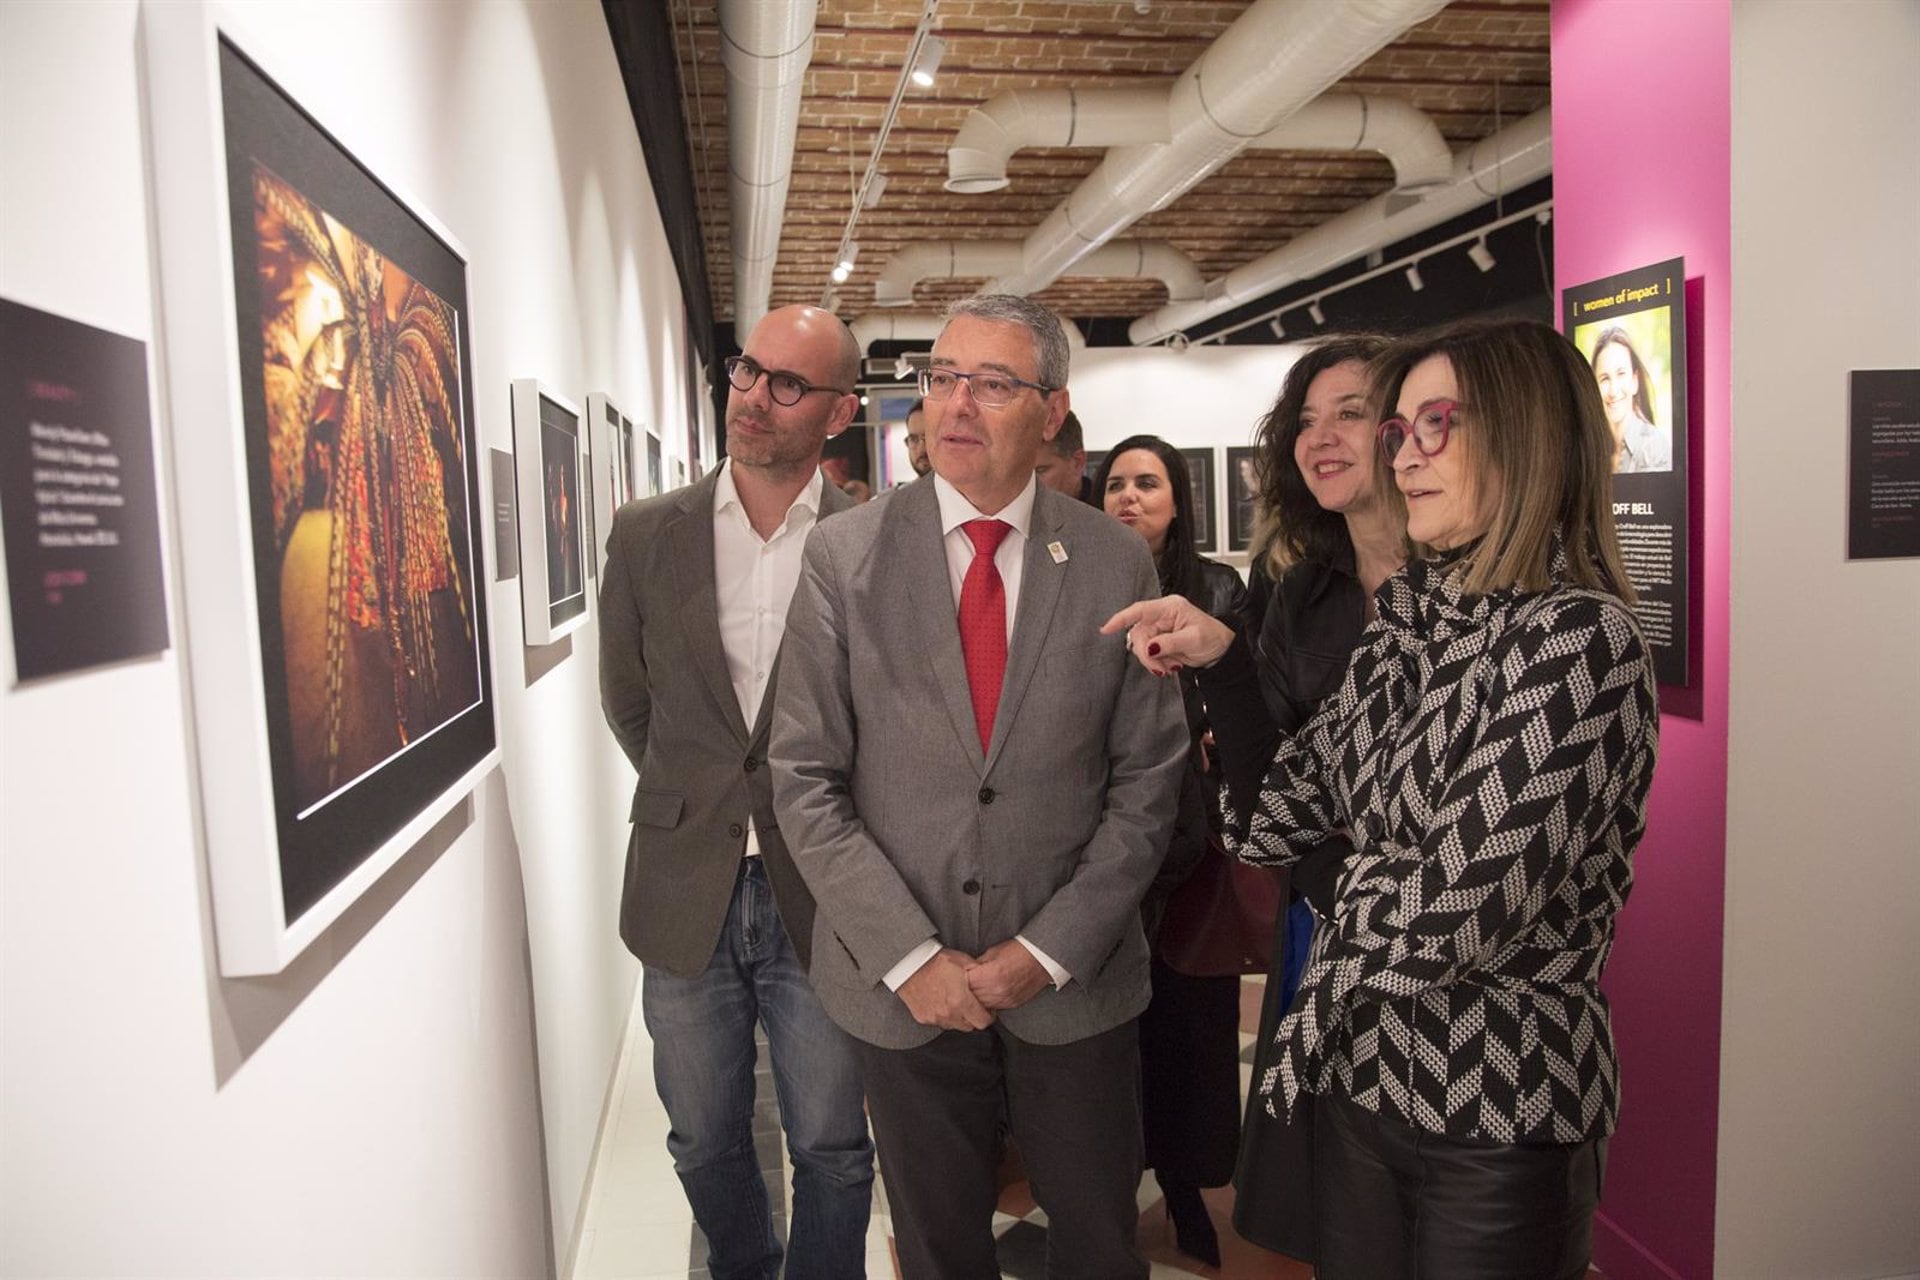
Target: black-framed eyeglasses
[(785, 388), (1432, 424), (994, 390)]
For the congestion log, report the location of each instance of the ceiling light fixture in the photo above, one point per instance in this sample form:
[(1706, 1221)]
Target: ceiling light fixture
[(874, 191), (844, 268), (1279, 330), (1414, 282), (902, 367), (1482, 256), (1313, 309), (932, 49)]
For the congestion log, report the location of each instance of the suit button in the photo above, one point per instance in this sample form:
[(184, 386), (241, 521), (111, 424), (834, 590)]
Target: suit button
[(735, 830), (753, 762), (986, 795), (1373, 826), (970, 888)]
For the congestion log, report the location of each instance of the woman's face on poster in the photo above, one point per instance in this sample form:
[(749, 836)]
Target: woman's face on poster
[(1613, 368)]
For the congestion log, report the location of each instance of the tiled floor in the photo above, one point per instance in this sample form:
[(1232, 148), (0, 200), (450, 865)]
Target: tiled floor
[(636, 1224)]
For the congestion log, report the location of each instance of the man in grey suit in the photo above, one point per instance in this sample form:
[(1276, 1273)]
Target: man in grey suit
[(692, 607), (978, 789)]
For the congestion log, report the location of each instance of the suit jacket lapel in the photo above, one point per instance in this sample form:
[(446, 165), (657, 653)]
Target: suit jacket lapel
[(832, 501), (923, 561), (692, 537), (1040, 583)]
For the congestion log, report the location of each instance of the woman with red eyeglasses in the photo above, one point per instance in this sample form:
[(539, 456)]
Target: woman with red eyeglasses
[(1489, 750)]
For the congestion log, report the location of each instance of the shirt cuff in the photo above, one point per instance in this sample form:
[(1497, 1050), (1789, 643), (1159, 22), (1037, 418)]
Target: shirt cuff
[(910, 964), (1060, 976)]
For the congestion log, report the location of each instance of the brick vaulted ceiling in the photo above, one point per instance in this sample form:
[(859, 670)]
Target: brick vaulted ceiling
[(1475, 67)]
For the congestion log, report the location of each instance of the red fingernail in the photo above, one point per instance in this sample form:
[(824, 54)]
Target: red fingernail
[(1153, 650)]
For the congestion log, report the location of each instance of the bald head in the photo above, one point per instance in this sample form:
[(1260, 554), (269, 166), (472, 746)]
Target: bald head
[(836, 341)]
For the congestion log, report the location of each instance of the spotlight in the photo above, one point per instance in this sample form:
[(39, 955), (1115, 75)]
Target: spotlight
[(1313, 309), (1414, 282), (874, 191), (1279, 330), (932, 49), (844, 267), (863, 399), (902, 367), (1481, 255)]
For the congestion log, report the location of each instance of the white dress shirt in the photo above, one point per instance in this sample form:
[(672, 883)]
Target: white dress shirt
[(1009, 558), (753, 580)]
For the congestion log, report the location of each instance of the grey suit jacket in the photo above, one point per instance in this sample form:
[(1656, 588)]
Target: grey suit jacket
[(670, 702), (905, 830)]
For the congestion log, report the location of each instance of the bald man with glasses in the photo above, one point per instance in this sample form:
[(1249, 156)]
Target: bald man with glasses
[(693, 606)]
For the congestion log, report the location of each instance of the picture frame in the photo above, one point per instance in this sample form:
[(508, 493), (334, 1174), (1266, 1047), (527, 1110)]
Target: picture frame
[(330, 517), (1243, 496), (549, 463), (1206, 532), (656, 476), (612, 467)]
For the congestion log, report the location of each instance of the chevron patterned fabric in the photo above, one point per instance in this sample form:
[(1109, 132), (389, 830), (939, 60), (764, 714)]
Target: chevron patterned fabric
[(1491, 757)]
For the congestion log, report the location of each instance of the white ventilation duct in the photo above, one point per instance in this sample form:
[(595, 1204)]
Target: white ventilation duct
[(1277, 56), (1013, 121), (925, 326), (1515, 156), (1125, 259), (766, 48)]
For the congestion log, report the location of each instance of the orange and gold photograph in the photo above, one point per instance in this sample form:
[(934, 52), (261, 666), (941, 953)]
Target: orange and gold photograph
[(368, 487)]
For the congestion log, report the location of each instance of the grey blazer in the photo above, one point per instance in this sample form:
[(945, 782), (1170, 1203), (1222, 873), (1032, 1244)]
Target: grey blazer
[(904, 830), (670, 702)]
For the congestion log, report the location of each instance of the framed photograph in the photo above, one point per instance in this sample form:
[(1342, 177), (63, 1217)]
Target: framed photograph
[(611, 468), (1206, 532), (553, 543), (1243, 495), (1632, 329), (656, 472), (330, 511)]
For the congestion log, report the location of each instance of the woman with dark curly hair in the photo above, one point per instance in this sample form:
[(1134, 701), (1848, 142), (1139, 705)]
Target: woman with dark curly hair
[(1489, 748)]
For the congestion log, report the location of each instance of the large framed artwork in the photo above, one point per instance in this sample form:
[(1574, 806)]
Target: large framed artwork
[(330, 512), (612, 466), (553, 547)]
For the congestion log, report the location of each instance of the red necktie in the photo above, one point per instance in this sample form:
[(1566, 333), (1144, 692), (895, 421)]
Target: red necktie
[(983, 622)]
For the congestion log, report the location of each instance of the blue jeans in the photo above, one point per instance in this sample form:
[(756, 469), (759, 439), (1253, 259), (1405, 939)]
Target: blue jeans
[(703, 1060)]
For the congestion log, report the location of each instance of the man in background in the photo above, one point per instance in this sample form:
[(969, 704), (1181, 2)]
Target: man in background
[(1062, 463), (917, 439), (693, 607)]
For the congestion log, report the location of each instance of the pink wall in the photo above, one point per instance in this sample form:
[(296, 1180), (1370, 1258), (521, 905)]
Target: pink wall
[(1641, 174)]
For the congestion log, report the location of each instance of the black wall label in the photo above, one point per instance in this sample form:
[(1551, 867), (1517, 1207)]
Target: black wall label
[(77, 498)]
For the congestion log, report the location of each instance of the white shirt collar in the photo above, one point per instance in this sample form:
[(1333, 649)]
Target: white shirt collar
[(726, 495), (955, 510)]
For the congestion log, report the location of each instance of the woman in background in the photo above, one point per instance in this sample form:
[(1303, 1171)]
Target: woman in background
[(1490, 749), (1190, 1031), (1333, 529), (1626, 393)]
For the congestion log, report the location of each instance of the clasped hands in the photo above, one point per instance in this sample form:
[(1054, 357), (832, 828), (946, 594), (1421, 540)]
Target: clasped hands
[(958, 992), (1169, 633)]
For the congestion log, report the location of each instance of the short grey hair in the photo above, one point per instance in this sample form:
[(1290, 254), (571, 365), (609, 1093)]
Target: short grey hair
[(1049, 339)]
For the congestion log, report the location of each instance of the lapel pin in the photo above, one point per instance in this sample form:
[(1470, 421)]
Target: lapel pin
[(1058, 552)]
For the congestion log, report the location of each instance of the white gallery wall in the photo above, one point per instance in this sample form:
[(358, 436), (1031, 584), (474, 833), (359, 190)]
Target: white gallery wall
[(420, 1092), (1819, 1162)]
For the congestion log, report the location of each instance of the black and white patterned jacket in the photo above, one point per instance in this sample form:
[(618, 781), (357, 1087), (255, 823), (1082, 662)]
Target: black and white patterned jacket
[(1491, 757)]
